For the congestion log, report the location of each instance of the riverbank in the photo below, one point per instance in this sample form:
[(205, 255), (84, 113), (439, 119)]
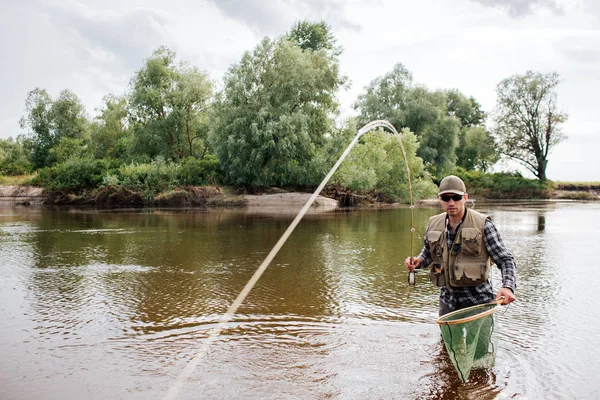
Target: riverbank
[(192, 196), (214, 196)]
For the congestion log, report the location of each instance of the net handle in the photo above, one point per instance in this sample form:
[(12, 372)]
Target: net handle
[(472, 317)]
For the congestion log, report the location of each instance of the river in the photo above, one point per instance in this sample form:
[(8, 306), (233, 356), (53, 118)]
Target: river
[(114, 304)]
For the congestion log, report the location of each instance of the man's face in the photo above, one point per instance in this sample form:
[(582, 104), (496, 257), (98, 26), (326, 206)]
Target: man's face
[(453, 207)]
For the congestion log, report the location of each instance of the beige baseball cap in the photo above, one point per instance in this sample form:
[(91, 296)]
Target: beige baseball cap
[(452, 184)]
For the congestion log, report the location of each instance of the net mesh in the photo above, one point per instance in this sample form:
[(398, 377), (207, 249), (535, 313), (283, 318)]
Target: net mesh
[(469, 339)]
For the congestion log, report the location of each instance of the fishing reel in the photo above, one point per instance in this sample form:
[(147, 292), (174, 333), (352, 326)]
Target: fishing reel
[(411, 278)]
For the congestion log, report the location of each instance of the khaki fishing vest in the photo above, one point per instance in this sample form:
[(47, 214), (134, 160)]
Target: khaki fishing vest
[(467, 263)]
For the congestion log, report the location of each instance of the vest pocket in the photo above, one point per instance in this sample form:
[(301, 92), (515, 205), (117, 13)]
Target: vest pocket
[(471, 241), (468, 274), (435, 243)]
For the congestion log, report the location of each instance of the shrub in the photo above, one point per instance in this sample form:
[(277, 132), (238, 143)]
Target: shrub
[(198, 172), (157, 176), (75, 173)]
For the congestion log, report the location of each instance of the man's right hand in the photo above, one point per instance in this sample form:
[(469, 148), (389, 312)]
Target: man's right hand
[(411, 263)]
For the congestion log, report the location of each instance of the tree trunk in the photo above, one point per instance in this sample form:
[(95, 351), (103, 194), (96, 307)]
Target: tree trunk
[(541, 170)]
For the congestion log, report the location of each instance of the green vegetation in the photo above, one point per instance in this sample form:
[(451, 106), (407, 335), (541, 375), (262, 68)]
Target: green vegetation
[(503, 185), (275, 122), (15, 180)]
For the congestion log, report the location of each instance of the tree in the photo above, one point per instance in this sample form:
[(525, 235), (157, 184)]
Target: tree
[(314, 36), (466, 109), (168, 106), (191, 97), (476, 149), (439, 142), (527, 119), (110, 132), (385, 98), (49, 121), (274, 114), (437, 118)]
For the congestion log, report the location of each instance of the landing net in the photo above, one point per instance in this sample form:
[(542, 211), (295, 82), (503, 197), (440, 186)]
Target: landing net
[(468, 337)]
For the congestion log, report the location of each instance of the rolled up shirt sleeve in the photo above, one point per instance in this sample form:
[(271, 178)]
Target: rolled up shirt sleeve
[(500, 255)]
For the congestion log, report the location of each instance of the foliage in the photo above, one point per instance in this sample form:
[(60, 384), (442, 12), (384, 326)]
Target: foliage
[(385, 98), (111, 133), (377, 163), (74, 173), (49, 121), (193, 171), (502, 185), (274, 115), (154, 177), (439, 143), (67, 148), (466, 109), (168, 106), (13, 158), (438, 118), (314, 36), (528, 120), (476, 149)]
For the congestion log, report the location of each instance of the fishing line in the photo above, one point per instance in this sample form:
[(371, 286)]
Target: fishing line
[(226, 318)]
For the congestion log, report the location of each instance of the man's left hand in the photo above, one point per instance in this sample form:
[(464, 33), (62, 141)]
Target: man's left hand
[(508, 295)]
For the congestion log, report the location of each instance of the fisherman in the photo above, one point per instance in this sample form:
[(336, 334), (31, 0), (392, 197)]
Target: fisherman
[(460, 245)]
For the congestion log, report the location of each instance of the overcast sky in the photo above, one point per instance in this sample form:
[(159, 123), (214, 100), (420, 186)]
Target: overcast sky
[(93, 47)]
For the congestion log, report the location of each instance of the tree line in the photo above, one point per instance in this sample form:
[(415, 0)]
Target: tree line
[(274, 123)]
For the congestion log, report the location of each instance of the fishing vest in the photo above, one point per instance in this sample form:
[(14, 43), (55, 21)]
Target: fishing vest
[(467, 262)]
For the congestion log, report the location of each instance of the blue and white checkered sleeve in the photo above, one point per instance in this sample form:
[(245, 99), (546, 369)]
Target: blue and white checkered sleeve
[(500, 255)]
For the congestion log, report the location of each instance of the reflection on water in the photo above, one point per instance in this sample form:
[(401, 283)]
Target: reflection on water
[(114, 304)]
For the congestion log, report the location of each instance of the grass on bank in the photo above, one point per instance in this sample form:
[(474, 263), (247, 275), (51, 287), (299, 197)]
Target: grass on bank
[(16, 180)]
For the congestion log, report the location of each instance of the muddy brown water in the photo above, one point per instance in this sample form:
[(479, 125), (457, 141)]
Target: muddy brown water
[(113, 305)]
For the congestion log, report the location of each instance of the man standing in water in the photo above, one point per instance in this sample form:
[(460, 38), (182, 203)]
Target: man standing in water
[(461, 245)]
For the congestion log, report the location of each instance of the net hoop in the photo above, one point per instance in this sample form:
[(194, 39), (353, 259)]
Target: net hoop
[(447, 319)]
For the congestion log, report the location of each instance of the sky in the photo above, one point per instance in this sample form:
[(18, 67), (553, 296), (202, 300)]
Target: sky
[(94, 47)]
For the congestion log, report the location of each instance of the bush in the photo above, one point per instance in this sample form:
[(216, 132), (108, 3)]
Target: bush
[(198, 172), (75, 173), (158, 176)]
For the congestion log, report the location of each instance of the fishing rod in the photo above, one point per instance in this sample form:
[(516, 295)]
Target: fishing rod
[(227, 317)]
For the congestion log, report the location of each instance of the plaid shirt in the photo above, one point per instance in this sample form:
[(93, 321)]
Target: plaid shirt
[(461, 297)]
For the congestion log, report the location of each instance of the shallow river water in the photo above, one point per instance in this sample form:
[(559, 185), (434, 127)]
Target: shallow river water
[(114, 305)]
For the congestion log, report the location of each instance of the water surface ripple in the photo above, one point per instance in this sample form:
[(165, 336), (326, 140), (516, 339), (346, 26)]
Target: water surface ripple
[(103, 305)]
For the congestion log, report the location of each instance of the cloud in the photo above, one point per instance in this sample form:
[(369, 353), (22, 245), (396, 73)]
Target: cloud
[(277, 16), (518, 8), (107, 36)]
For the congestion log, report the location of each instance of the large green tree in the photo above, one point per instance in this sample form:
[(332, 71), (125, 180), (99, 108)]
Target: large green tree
[(275, 114), (527, 119), (439, 118), (50, 121), (386, 98), (168, 104)]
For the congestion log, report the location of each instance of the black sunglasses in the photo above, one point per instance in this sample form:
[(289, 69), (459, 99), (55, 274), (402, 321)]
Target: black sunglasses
[(447, 197)]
